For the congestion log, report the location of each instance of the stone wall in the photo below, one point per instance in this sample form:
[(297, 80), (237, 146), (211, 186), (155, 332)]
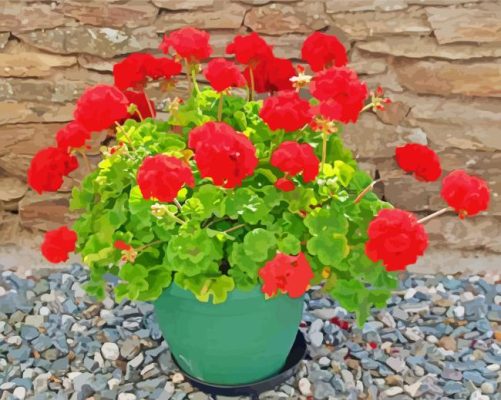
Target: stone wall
[(440, 61)]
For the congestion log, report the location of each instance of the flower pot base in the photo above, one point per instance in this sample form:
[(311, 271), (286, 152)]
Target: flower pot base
[(253, 390)]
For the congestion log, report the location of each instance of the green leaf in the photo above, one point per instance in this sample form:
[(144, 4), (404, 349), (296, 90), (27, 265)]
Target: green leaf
[(258, 243), (289, 244), (132, 272), (326, 220), (329, 248), (343, 172)]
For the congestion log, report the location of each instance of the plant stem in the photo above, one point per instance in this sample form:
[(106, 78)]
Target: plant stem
[(177, 204), (86, 160), (435, 214), (220, 107), (234, 228), (324, 150), (145, 246), (194, 78), (150, 108), (366, 190), (121, 129), (251, 91), (177, 219), (187, 65), (367, 107)]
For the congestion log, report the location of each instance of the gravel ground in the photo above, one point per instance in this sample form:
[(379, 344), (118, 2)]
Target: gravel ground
[(439, 338)]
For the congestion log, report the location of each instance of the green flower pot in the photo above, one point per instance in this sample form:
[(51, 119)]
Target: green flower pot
[(242, 340)]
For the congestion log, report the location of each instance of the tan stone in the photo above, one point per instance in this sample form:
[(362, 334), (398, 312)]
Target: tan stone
[(448, 343), (334, 6), (263, 2), (393, 113), (427, 46), (102, 42), (462, 123), (229, 17), (444, 78), (9, 228), (11, 190), (468, 234), (45, 212), (466, 24), (367, 63), (18, 16), (32, 64), (279, 19), (359, 26), (131, 14), (20, 142), (440, 2), (25, 112), (4, 38), (96, 63), (183, 4)]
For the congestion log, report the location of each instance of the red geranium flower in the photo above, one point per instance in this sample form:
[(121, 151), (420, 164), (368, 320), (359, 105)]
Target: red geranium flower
[(163, 68), (223, 154), (131, 71), (271, 75), (285, 185), (72, 136), (289, 274), (466, 194), (223, 74), (100, 107), (249, 49), (396, 238), (58, 244), (141, 102), (422, 161), (323, 51), (287, 111), (121, 245), (161, 177), (48, 168), (341, 94), (293, 158), (189, 43)]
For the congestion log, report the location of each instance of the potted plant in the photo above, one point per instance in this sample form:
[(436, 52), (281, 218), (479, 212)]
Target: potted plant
[(225, 212)]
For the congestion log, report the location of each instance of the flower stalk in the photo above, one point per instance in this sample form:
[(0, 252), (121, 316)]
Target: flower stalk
[(368, 189), (434, 215)]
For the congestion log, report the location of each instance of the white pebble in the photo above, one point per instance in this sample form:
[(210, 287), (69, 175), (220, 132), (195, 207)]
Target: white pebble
[(497, 300), (432, 339), (99, 359), (15, 340), (410, 293), (127, 396), (494, 367), (110, 351), (19, 393), (459, 312), (177, 378), (441, 288), (44, 311), (466, 296), (169, 388), (393, 391), (487, 388), (113, 383), (304, 387), (324, 361)]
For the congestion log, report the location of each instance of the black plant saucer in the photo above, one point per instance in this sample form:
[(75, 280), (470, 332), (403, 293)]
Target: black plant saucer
[(253, 390)]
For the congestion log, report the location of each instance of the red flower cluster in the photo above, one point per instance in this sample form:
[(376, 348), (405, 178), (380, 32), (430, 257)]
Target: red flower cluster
[(271, 75), (161, 177), (140, 100), (289, 274), (249, 49), (100, 107), (396, 238), (223, 74), (134, 71), (340, 92), (285, 185), (121, 245), (323, 51), (422, 161), (287, 111), (72, 136), (48, 168), (222, 154), (292, 159), (466, 194), (188, 43), (58, 244)]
